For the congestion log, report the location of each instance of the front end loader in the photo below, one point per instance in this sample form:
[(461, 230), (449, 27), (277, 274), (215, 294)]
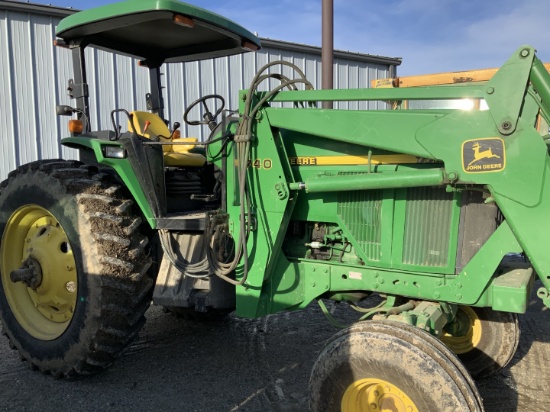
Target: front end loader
[(439, 213)]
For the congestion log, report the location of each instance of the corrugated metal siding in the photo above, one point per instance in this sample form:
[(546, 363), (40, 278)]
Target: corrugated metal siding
[(34, 75), (30, 90)]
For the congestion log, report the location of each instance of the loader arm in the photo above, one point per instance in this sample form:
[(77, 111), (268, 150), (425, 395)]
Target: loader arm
[(497, 149)]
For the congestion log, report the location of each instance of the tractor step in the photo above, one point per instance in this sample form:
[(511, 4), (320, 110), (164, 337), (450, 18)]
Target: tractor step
[(194, 221)]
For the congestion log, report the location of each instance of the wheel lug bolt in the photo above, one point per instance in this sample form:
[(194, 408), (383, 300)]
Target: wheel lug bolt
[(70, 286)]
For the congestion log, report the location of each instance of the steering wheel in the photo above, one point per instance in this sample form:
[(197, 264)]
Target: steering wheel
[(208, 117)]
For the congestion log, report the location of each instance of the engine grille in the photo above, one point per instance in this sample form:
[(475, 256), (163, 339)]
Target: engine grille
[(361, 213), (427, 226), (424, 230)]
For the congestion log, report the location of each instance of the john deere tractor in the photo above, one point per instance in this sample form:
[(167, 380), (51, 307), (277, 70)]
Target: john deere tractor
[(438, 215)]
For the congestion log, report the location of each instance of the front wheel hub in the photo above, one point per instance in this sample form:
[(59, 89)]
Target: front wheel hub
[(464, 334), (376, 395), (38, 272), (30, 273)]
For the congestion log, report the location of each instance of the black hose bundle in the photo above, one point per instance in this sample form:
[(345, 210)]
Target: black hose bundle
[(193, 270), (221, 243), (242, 141)]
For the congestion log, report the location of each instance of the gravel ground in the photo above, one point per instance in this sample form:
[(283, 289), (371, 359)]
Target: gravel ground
[(243, 365)]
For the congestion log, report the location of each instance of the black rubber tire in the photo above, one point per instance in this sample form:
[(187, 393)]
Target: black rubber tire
[(420, 365), (499, 342), (112, 262), (462, 372)]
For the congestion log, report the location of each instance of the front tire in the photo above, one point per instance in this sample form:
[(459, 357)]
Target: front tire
[(485, 340), (375, 366), (77, 228)]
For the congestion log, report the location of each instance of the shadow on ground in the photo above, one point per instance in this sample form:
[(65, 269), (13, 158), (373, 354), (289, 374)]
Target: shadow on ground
[(243, 365)]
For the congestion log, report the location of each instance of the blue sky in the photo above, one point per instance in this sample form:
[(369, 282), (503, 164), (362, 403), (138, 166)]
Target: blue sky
[(430, 35)]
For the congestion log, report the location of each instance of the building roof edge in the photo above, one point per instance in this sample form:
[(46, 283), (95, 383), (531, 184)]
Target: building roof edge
[(47, 9)]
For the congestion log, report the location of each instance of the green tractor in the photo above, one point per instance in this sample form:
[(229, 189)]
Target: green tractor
[(437, 213)]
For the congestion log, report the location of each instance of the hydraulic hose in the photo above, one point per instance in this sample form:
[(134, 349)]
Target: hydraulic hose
[(197, 270), (243, 138)]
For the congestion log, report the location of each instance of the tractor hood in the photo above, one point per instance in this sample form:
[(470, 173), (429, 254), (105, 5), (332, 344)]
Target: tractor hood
[(157, 31)]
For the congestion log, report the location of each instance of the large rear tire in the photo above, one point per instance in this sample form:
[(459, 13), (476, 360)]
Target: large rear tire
[(90, 287), (485, 340), (389, 366)]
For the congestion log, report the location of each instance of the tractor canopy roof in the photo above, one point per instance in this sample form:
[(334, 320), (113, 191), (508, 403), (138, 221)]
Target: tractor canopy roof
[(157, 31)]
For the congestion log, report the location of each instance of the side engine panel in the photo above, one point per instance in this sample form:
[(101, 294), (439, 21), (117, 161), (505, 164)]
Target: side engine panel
[(419, 229)]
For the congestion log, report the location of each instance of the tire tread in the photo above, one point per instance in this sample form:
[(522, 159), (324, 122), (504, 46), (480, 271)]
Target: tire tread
[(126, 294)]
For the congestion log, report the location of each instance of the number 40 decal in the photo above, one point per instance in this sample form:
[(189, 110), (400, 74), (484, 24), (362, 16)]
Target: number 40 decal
[(261, 163)]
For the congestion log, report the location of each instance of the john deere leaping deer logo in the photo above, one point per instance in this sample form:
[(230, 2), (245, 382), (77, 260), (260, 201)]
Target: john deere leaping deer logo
[(483, 155)]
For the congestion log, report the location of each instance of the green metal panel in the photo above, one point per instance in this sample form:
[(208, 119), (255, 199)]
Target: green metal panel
[(145, 29), (504, 97), (511, 291), (541, 84), (294, 285), (272, 203), (532, 227), (388, 130)]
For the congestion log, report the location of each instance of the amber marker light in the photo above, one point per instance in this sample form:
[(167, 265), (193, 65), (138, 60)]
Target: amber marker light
[(183, 21), (60, 43), (75, 126), (249, 46)]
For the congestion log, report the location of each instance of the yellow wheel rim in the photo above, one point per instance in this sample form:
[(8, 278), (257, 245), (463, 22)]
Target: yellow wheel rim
[(376, 395), (470, 332), (33, 234)]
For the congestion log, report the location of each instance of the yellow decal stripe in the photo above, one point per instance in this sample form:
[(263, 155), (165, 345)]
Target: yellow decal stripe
[(351, 160)]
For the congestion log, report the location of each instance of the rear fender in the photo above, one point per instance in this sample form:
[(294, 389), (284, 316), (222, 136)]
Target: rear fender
[(122, 167)]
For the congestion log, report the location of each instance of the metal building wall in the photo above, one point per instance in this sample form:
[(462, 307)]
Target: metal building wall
[(30, 90), (34, 75)]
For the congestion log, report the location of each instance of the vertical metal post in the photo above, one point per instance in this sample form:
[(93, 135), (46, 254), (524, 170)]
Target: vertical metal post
[(327, 48), (78, 87), (541, 82), (392, 71), (155, 102)]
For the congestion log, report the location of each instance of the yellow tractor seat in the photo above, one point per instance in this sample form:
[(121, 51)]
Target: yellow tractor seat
[(153, 127)]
